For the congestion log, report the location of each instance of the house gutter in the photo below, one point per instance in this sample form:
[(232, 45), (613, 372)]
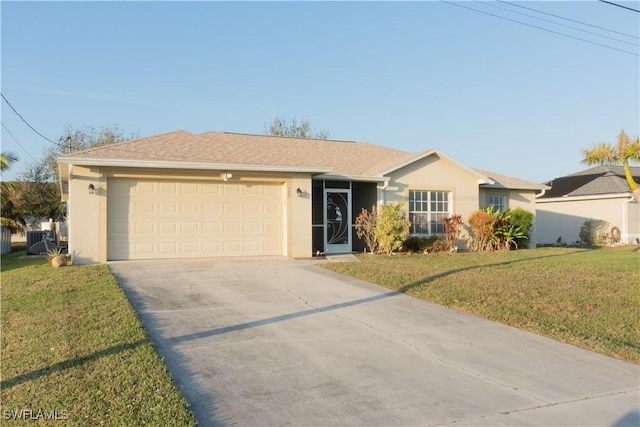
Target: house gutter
[(579, 198), (189, 165)]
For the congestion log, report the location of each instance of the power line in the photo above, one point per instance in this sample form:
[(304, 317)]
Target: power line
[(484, 3), (27, 123), (542, 28), (567, 19), (619, 5), (17, 142)]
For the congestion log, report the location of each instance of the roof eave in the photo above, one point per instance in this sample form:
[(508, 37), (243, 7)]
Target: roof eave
[(516, 187), (338, 177), (585, 197), (81, 161)]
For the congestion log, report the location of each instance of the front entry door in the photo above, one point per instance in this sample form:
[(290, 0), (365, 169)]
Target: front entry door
[(337, 221)]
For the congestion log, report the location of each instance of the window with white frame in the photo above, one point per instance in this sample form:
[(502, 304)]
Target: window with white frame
[(498, 202), (426, 211)]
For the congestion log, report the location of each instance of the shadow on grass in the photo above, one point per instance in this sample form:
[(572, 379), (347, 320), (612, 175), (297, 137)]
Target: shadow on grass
[(410, 286), (70, 363), (13, 261)]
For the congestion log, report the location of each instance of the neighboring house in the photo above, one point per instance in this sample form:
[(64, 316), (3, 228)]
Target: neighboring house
[(599, 193), (219, 194)]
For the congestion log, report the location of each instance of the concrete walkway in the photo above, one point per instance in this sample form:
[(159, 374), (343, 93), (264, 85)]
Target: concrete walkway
[(274, 341)]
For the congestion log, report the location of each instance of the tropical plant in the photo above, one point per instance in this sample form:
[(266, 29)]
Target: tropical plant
[(392, 227), (452, 228), (366, 228), (624, 152), (7, 159), (493, 230), (523, 219), (481, 222)]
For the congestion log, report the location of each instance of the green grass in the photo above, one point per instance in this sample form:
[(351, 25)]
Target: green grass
[(72, 343), (586, 297)]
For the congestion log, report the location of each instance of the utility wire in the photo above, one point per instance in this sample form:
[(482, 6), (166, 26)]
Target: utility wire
[(17, 142), (27, 123), (619, 5), (485, 3), (542, 28), (567, 19)]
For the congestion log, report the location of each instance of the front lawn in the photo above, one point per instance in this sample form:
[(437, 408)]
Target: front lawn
[(586, 297), (73, 349)]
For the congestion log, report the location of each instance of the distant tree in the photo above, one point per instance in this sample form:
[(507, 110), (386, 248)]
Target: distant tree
[(34, 197), (37, 194), (293, 128), (81, 139), (624, 152)]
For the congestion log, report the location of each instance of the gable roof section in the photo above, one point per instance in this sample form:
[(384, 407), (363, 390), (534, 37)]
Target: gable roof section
[(599, 180), (235, 151)]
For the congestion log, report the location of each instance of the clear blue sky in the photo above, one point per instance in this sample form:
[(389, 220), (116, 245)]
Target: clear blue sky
[(492, 93)]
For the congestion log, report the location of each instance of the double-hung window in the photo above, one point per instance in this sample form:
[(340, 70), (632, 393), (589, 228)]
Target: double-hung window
[(426, 211)]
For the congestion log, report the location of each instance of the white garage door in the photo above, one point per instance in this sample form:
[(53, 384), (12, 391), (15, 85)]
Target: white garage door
[(180, 219)]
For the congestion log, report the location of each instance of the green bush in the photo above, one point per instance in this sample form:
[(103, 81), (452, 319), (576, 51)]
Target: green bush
[(392, 226), (594, 232), (522, 220), (422, 244)]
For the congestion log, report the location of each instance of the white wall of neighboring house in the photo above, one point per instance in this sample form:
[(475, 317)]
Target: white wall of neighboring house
[(563, 217)]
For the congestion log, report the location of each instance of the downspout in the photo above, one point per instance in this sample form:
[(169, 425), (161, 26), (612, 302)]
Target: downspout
[(381, 199), (625, 238)]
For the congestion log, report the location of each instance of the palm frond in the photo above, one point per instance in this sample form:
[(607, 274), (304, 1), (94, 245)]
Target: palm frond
[(600, 154)]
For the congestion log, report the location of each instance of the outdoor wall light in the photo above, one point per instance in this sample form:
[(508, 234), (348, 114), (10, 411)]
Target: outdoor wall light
[(225, 176), (92, 189), (299, 192)]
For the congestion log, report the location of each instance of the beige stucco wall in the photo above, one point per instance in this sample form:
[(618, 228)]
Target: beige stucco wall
[(88, 212), (433, 173), (564, 218)]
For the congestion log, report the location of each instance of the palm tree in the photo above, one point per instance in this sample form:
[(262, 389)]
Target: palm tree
[(6, 160), (607, 154)]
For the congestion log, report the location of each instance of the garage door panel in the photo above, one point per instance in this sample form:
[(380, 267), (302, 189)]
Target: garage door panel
[(161, 219)]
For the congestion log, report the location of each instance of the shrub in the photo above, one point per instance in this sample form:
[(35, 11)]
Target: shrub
[(495, 230), (481, 222), (366, 228), (523, 220), (452, 228), (425, 244), (415, 244), (594, 232), (392, 226)]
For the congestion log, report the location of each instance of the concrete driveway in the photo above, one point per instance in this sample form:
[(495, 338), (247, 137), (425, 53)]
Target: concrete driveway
[(274, 341)]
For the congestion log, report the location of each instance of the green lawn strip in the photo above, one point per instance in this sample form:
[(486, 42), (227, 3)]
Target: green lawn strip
[(586, 297), (72, 343)]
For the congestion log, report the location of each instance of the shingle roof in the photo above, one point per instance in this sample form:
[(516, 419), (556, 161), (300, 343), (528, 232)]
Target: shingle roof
[(503, 181), (599, 180), (346, 158), (341, 157)]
